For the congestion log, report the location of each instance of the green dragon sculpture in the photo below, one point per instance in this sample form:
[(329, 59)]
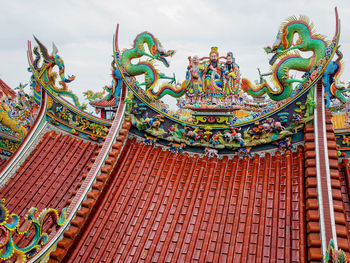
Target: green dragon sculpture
[(11, 225), (95, 96), (49, 77), (152, 76), (286, 53)]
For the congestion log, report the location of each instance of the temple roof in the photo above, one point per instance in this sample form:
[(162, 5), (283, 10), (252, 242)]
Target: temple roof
[(5, 89), (104, 103), (162, 206), (155, 205), (49, 175), (2, 162), (232, 180), (345, 190)]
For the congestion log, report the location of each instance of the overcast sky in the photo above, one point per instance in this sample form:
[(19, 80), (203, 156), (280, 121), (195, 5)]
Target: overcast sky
[(83, 32)]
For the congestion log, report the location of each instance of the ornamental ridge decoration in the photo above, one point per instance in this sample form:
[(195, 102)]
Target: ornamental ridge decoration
[(10, 224)]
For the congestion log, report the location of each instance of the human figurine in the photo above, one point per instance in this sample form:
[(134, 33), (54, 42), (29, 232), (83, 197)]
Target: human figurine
[(194, 92), (231, 79), (212, 77)]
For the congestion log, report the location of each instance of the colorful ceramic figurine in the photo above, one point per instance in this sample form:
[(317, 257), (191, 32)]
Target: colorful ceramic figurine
[(194, 93), (212, 74), (231, 80)]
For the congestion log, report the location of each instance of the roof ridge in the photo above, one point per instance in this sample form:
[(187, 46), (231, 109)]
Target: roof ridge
[(77, 224)]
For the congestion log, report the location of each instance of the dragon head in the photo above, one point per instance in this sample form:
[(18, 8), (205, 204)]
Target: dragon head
[(161, 53), (275, 45), (277, 48)]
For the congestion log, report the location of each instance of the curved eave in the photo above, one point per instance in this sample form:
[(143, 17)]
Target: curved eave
[(60, 99), (86, 186), (19, 153)]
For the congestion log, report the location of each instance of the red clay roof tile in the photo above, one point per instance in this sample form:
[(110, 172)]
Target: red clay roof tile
[(162, 206), (104, 103), (2, 162), (49, 175)]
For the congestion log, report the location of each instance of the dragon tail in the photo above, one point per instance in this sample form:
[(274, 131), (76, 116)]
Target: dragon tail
[(257, 91), (68, 93), (77, 103), (167, 89), (263, 88)]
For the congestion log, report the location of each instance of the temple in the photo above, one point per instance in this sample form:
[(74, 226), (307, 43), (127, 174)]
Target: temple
[(239, 172)]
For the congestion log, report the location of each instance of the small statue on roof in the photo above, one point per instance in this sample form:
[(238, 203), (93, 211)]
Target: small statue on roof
[(212, 83), (194, 93), (212, 77), (231, 79)]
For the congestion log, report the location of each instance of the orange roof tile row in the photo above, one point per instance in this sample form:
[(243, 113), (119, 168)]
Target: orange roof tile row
[(345, 190), (338, 204), (160, 206), (311, 202), (104, 103), (312, 206), (49, 175), (94, 198), (2, 162)]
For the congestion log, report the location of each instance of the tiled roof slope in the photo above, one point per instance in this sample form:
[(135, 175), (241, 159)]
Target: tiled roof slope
[(162, 206), (345, 189), (311, 202), (49, 175), (343, 237), (94, 196), (104, 103), (2, 162), (5, 89), (338, 193)]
